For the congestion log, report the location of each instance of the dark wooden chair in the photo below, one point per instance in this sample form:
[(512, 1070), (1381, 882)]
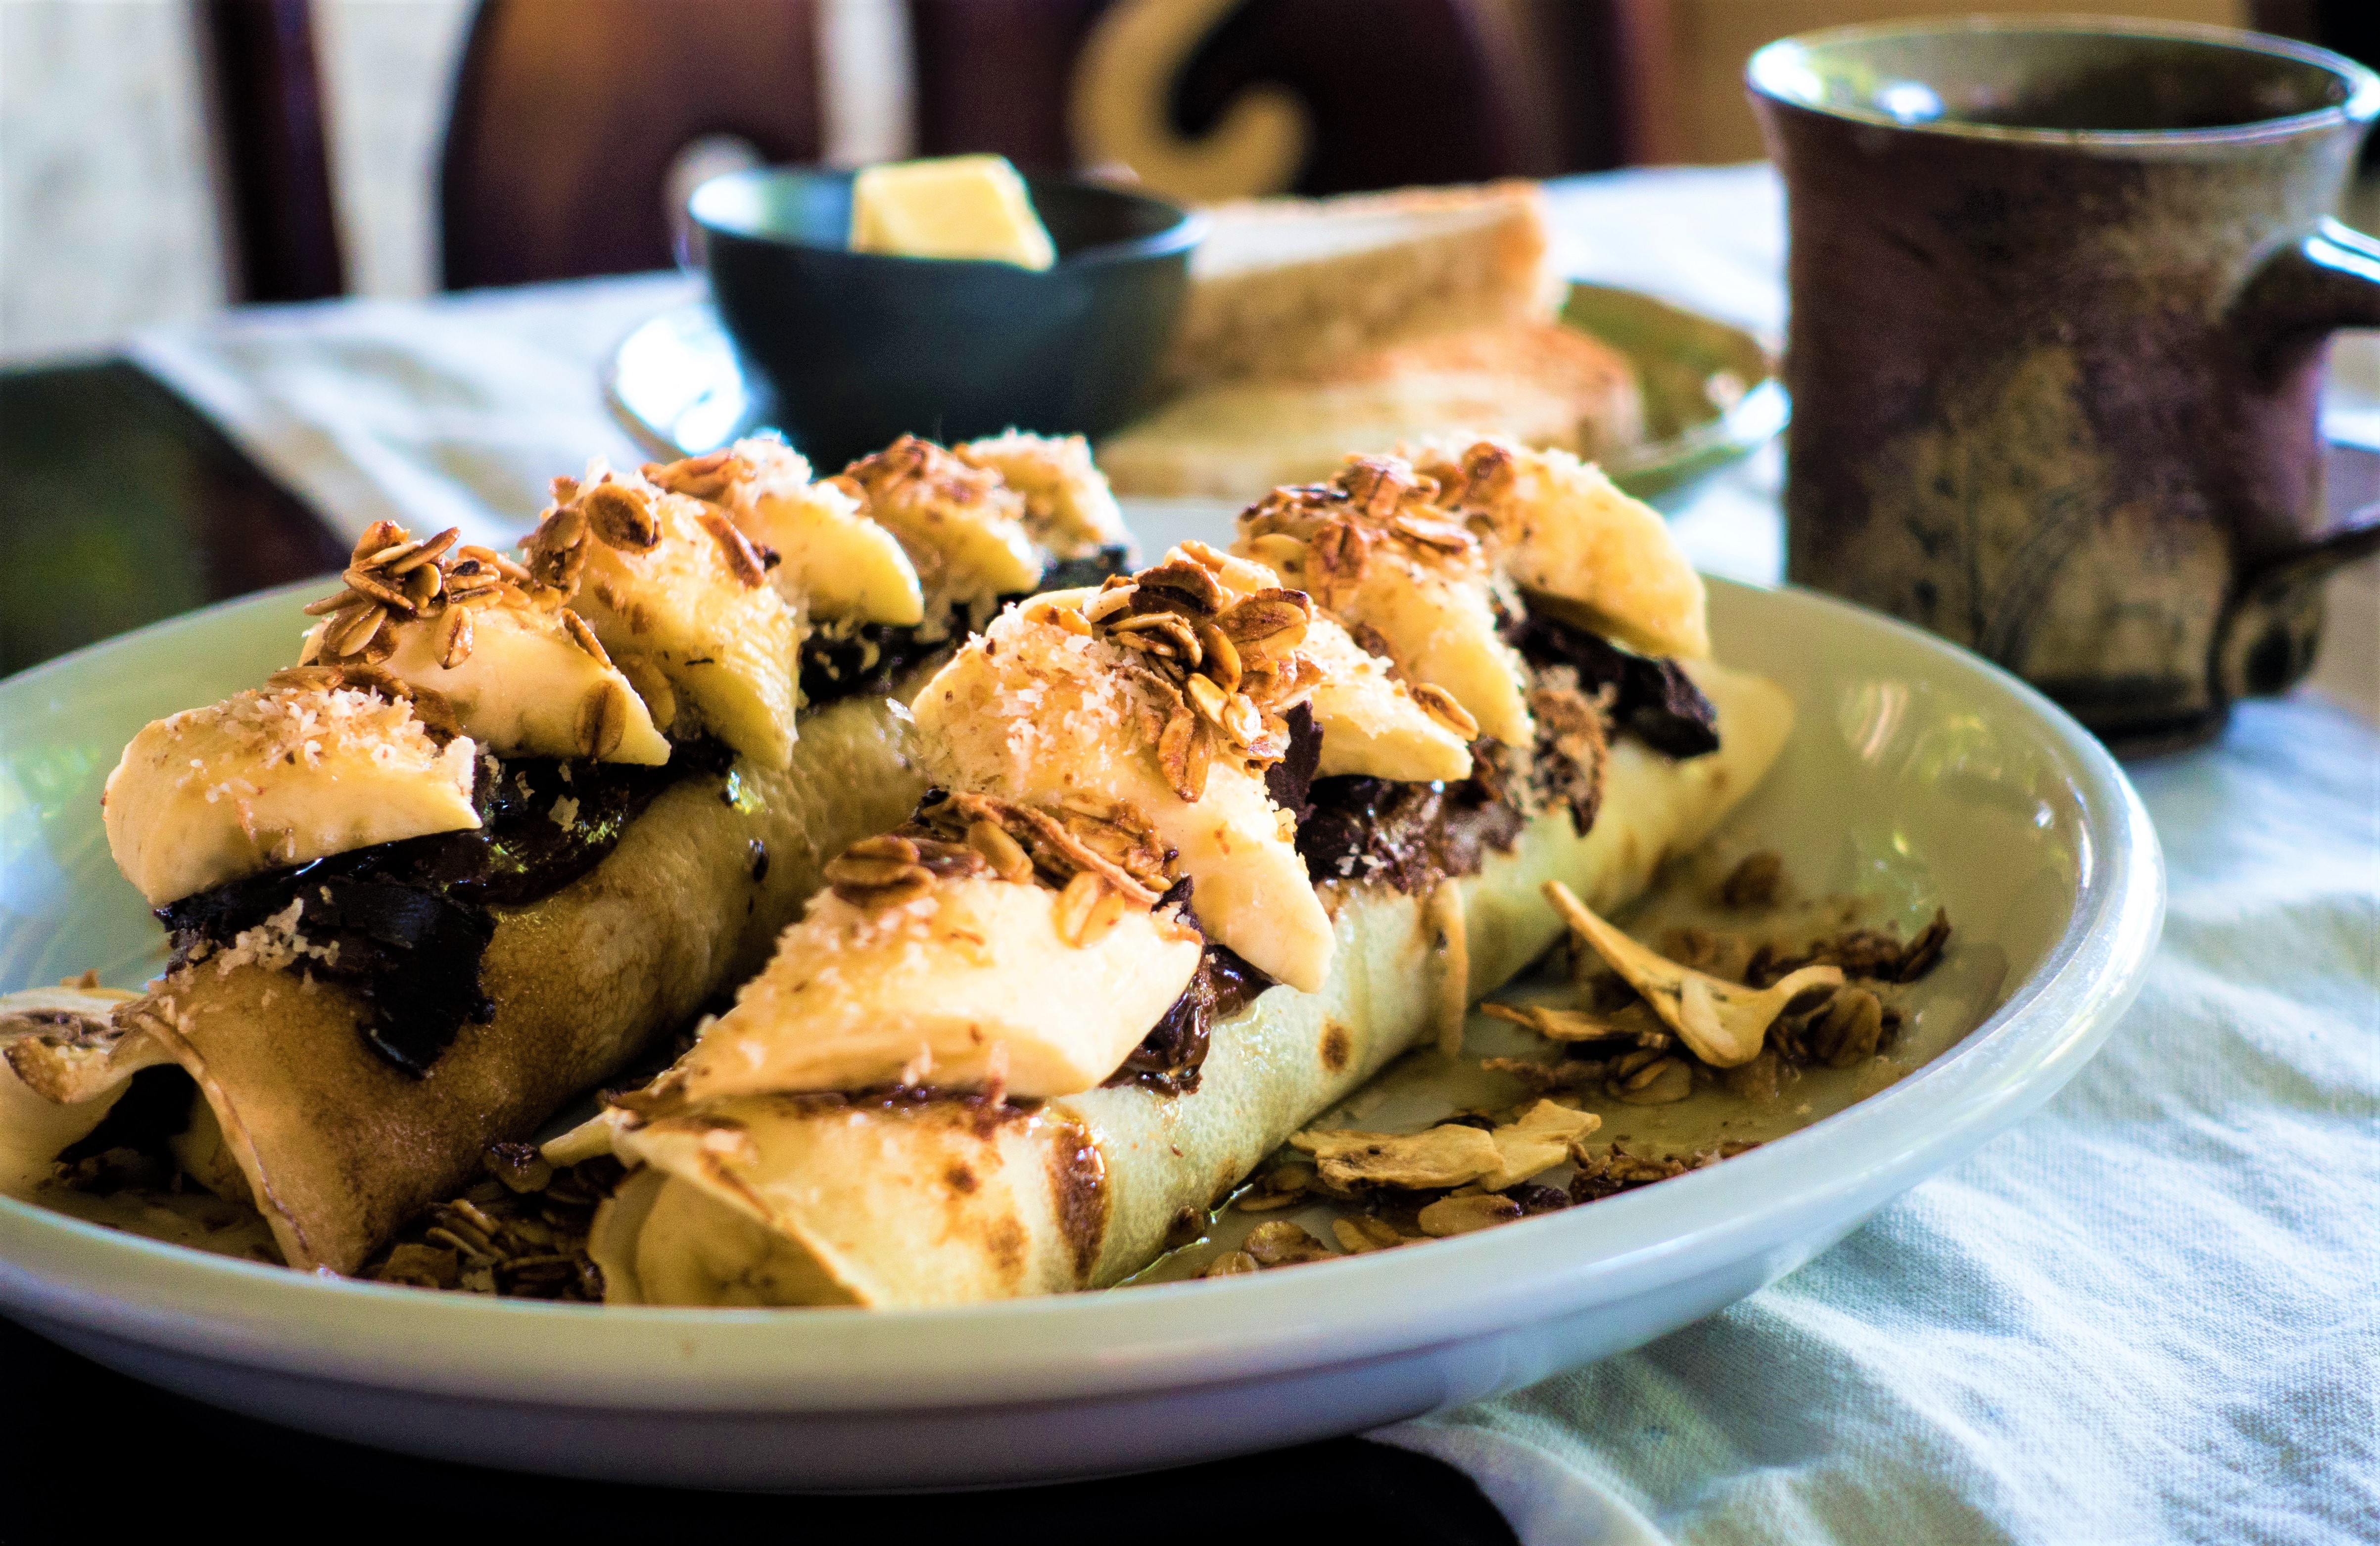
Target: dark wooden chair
[(569, 113), (1397, 92), (264, 98)]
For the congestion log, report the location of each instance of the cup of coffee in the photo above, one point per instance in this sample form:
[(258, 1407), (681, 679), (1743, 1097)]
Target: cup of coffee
[(2061, 294)]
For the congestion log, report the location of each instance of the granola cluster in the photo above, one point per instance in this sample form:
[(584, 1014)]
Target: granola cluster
[(1615, 1043), (1472, 1172), (1102, 858), (1224, 667), (621, 516), (1375, 502), (519, 1232), (393, 577)]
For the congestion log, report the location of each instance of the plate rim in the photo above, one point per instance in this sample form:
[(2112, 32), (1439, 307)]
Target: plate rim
[(1170, 1337)]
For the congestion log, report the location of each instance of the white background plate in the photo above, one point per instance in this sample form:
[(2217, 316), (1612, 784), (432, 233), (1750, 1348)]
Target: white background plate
[(1915, 771)]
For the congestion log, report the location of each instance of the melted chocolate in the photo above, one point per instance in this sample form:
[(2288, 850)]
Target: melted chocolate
[(838, 664), (1168, 1058), (405, 923), (1652, 696), (1408, 836), (1288, 780)]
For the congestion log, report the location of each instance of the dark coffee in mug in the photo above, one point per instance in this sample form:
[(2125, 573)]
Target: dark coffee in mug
[(2060, 293)]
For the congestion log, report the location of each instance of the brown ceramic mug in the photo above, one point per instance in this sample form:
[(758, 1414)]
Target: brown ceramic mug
[(2061, 292)]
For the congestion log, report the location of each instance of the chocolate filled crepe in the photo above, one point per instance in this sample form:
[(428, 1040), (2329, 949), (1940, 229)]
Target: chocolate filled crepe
[(1208, 848), (508, 823)]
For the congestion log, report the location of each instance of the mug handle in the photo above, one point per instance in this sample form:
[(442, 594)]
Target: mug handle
[(2329, 280)]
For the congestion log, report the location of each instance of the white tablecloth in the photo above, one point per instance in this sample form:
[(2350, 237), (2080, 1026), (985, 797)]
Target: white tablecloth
[(2150, 1314)]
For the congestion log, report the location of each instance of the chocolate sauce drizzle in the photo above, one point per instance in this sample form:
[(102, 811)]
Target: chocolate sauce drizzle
[(1653, 698), (410, 920), (839, 663)]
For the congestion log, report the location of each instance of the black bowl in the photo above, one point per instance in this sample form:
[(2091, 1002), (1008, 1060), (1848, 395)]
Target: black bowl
[(861, 347)]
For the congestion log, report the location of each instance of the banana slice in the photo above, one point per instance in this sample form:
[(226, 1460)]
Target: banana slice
[(277, 776), (954, 989), (669, 578), (1587, 552), (1033, 711), (842, 564), (962, 526), (1369, 722), (1437, 620), (835, 562), (1069, 509), (523, 682)]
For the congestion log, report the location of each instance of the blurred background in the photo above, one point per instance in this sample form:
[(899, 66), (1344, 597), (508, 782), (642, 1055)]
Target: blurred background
[(160, 159)]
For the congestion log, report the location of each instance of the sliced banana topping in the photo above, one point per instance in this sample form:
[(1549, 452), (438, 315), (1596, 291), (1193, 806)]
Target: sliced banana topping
[(1375, 554), (835, 561), (523, 679), (1069, 509), (955, 988), (1373, 724), (318, 761), (669, 579), (1165, 693), (1586, 551), (962, 525)]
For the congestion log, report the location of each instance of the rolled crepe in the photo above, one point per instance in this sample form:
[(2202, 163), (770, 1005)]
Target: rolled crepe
[(336, 1146), (910, 1201)]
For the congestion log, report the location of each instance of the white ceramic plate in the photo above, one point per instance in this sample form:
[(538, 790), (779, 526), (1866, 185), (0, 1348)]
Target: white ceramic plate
[(1916, 771)]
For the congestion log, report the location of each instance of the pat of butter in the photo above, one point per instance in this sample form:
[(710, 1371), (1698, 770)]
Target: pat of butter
[(951, 207)]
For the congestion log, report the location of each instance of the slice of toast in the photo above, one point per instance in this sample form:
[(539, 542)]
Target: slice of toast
[(1283, 287), (1540, 383)]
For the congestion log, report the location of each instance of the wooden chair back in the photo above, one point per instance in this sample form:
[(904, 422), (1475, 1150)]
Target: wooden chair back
[(1365, 93), (568, 115), (264, 104)]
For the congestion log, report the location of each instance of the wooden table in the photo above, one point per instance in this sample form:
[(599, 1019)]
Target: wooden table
[(119, 505)]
